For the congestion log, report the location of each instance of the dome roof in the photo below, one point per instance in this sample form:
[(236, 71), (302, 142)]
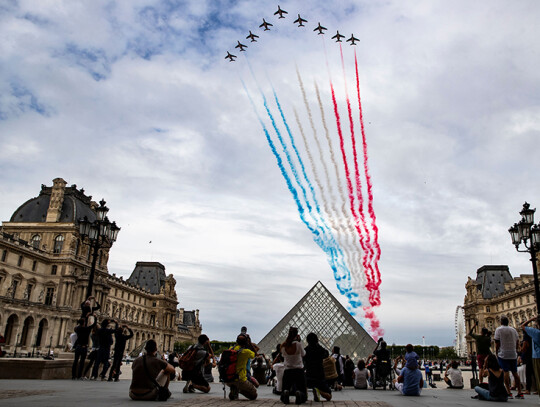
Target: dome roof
[(76, 205)]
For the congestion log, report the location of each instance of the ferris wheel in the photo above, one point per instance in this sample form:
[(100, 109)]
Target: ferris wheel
[(461, 341)]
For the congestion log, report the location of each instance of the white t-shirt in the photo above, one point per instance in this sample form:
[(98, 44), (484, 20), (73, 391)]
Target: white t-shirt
[(361, 378), (508, 338), (456, 377)]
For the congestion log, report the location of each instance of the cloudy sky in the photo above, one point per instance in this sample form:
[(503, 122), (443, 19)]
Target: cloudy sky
[(134, 102)]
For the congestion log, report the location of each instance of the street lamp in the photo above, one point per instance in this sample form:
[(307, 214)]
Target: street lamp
[(526, 232), (100, 233)]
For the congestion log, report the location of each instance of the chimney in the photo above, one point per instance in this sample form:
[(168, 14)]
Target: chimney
[(57, 199)]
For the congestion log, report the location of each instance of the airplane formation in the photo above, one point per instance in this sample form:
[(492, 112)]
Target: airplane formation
[(300, 21)]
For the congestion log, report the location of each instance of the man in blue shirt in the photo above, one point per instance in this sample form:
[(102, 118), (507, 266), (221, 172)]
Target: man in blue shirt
[(534, 333), (410, 382)]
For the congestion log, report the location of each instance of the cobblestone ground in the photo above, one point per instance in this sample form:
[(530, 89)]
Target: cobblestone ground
[(205, 401), (10, 394)]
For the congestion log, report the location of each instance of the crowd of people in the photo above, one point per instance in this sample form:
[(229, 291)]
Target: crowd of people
[(295, 371)]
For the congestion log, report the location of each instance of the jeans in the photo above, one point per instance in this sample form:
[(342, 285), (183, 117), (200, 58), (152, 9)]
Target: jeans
[(103, 355), (484, 395)]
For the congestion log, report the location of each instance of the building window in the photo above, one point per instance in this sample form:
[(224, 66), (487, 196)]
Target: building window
[(488, 309), (14, 286), (4, 255), (49, 296), (28, 293), (520, 300), (34, 265), (54, 269), (58, 244), (20, 262), (154, 304), (528, 299), (36, 240)]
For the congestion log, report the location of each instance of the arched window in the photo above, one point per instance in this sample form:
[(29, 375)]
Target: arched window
[(58, 243), (36, 240)]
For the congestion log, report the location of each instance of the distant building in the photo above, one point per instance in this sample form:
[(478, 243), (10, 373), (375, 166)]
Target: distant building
[(495, 293), (320, 312), (44, 271)]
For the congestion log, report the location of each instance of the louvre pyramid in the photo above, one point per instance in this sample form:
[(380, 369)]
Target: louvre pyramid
[(320, 312)]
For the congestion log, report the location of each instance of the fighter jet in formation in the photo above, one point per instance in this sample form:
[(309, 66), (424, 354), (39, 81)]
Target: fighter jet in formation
[(299, 21), (353, 40), (230, 56), (252, 37), (280, 12), (241, 46), (266, 25), (320, 28), (338, 37)]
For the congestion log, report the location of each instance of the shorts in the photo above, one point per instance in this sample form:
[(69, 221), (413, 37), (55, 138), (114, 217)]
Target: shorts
[(508, 365), (480, 359), (322, 385), (196, 377)]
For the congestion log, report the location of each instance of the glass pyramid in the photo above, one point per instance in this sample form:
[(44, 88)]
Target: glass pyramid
[(320, 312)]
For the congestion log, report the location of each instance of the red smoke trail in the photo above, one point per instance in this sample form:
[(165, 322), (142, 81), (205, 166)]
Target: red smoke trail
[(369, 184), (359, 189)]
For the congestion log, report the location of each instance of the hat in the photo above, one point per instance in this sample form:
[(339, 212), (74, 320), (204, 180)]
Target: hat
[(412, 364)]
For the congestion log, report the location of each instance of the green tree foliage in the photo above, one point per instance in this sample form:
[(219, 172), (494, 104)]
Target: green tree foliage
[(448, 353)]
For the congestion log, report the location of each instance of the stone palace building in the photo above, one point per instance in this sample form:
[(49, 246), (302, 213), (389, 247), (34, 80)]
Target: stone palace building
[(44, 273), (494, 293)]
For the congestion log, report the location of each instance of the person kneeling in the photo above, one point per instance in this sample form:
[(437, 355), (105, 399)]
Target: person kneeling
[(149, 372)]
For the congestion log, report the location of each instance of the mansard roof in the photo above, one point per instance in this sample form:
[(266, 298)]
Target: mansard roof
[(490, 280), (76, 205), (149, 276)]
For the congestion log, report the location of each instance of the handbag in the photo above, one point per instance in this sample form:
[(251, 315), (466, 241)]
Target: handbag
[(329, 366), (163, 393)]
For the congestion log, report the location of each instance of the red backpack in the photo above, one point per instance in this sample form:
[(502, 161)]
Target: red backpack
[(187, 360), (227, 365)]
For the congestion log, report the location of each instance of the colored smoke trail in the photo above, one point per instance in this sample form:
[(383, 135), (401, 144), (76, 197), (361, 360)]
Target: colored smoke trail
[(369, 183), (341, 190), (373, 276)]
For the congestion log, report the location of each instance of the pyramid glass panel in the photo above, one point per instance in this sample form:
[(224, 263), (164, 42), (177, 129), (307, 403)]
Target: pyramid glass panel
[(320, 312)]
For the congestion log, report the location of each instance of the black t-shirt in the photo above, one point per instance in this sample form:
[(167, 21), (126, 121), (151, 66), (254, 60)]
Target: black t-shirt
[(382, 355), (313, 361)]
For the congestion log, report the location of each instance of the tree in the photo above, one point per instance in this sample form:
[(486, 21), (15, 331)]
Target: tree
[(448, 353)]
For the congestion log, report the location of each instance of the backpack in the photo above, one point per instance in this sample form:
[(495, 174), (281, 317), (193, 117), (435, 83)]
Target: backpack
[(187, 360), (227, 365)]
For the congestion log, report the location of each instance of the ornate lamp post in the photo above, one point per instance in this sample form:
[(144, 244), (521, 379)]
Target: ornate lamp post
[(100, 233), (526, 232)]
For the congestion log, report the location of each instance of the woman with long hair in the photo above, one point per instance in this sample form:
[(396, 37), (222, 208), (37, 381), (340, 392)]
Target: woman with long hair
[(496, 390), (293, 352), (361, 375)]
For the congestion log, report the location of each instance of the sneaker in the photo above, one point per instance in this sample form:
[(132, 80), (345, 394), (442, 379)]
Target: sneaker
[(186, 387), (520, 396), (510, 396), (233, 394), (191, 389), (316, 394), (298, 397), (285, 397)]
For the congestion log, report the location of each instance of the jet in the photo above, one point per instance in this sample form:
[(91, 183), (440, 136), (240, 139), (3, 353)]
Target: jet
[(266, 25), (241, 46), (230, 56), (299, 21), (338, 37), (320, 28), (280, 12), (252, 36), (353, 40)]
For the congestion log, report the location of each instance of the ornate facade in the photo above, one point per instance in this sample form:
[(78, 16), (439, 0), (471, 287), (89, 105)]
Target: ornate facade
[(495, 293), (44, 272)]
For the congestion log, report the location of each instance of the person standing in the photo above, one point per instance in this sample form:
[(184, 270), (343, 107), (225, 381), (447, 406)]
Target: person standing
[(120, 340), (483, 347), (474, 366), (340, 367), (105, 339), (507, 344), (534, 333), (81, 348)]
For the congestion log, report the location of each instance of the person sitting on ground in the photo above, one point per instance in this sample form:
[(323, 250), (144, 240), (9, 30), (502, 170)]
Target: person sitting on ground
[(361, 375), (410, 382), (148, 369), (195, 378), (496, 390), (453, 376), (242, 385), (313, 362), (294, 375), (411, 354)]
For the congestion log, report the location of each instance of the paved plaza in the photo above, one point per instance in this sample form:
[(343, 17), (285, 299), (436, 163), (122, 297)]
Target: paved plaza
[(41, 393)]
